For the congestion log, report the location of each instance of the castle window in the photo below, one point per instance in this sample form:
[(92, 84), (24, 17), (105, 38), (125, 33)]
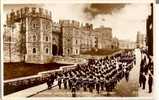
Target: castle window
[(68, 51), (53, 39), (47, 50), (34, 50), (76, 42), (46, 27), (34, 25), (34, 38), (47, 38), (76, 51)]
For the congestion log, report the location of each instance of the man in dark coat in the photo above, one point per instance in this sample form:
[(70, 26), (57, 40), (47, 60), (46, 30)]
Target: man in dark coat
[(49, 83), (140, 79), (143, 81), (127, 75), (150, 82)]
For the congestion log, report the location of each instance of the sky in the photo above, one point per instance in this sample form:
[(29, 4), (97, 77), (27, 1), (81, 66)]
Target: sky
[(124, 19)]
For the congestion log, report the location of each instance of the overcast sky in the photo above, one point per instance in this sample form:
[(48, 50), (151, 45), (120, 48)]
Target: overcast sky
[(124, 19)]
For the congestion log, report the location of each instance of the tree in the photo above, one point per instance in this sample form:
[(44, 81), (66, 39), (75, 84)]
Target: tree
[(22, 41)]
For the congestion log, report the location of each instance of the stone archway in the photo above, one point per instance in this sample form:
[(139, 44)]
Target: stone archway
[(54, 49)]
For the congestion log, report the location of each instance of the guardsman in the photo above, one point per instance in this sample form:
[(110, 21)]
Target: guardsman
[(106, 84), (73, 90), (70, 81), (102, 83), (49, 83), (150, 82), (52, 78), (65, 79), (98, 85), (80, 81), (94, 82), (59, 81), (91, 83), (85, 83)]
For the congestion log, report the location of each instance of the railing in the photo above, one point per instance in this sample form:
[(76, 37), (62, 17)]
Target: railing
[(14, 85)]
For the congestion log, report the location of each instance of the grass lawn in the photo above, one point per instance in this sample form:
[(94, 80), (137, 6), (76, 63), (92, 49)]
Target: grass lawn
[(16, 70), (101, 52)]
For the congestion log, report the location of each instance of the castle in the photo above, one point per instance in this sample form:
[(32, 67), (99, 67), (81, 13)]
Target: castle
[(32, 36)]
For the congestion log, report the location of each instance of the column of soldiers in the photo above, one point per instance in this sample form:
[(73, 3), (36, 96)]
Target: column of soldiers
[(146, 69), (97, 74)]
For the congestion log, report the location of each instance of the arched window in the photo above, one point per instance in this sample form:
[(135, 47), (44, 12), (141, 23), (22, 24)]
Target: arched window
[(34, 50), (34, 25), (76, 42), (76, 51), (68, 51), (47, 38), (47, 50), (53, 39)]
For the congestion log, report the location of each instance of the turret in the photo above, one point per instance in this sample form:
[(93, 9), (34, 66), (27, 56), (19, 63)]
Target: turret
[(16, 16)]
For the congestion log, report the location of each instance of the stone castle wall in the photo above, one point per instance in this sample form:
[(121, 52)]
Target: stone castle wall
[(42, 36)]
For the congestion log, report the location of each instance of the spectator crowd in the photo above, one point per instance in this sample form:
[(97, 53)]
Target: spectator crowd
[(146, 71)]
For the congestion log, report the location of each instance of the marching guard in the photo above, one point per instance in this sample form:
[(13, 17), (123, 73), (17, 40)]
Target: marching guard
[(59, 81)]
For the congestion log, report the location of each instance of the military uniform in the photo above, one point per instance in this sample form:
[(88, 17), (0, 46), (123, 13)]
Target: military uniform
[(49, 83), (85, 82), (97, 85), (102, 83), (59, 81), (65, 80), (73, 90), (70, 81), (91, 84)]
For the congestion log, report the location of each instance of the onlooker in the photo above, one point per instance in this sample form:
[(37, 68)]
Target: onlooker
[(150, 82)]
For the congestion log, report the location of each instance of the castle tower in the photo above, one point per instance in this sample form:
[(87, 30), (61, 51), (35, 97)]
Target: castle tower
[(38, 36), (35, 33), (71, 37)]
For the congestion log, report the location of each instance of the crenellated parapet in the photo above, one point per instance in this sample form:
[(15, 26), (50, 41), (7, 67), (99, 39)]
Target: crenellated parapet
[(69, 23), (16, 16), (56, 27), (89, 26)]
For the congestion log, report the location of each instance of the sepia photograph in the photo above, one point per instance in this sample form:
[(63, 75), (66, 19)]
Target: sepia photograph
[(78, 50)]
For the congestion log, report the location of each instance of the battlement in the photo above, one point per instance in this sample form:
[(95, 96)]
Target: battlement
[(56, 27), (15, 16), (102, 28), (87, 26), (69, 23)]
